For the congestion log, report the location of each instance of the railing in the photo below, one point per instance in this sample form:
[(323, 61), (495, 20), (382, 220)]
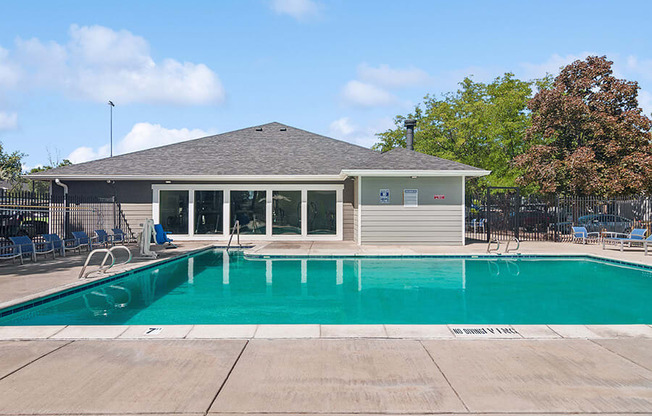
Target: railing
[(236, 228), (103, 267)]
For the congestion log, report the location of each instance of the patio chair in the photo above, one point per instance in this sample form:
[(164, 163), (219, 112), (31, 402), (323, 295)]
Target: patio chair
[(27, 246), (580, 234), (120, 237), (162, 237), (62, 246), (104, 238), (83, 240), (644, 242), (11, 251)]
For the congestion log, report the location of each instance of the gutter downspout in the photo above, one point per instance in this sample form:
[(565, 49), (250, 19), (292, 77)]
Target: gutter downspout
[(66, 214)]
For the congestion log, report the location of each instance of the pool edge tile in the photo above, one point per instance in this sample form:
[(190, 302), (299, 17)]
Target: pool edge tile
[(353, 331), (222, 332), (91, 332), (29, 332), (288, 331), (419, 331)]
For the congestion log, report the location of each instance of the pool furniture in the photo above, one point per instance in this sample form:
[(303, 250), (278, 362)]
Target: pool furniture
[(83, 240), (119, 236), (581, 235), (62, 245), (162, 237), (104, 238), (11, 251), (629, 241), (27, 246)]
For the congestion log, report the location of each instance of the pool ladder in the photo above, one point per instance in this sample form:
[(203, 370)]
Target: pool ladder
[(103, 267), (235, 230), (496, 250)]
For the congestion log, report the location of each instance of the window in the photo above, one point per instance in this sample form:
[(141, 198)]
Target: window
[(410, 197), (322, 212), (173, 211), (286, 212), (249, 207), (208, 212)]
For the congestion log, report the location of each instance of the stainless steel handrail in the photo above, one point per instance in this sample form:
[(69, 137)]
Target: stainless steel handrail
[(518, 245), (490, 250), (103, 267), (236, 228)]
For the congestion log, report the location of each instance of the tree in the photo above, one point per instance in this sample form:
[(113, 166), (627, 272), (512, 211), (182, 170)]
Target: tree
[(480, 124), (588, 134), (40, 186), (10, 166)]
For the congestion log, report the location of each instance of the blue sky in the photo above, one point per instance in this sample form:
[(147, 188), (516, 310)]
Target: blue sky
[(180, 70)]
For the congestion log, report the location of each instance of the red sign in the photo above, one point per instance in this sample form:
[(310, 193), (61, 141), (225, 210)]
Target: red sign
[(440, 197)]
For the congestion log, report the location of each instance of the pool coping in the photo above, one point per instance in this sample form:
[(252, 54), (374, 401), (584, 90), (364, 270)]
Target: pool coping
[(316, 331), (50, 295)]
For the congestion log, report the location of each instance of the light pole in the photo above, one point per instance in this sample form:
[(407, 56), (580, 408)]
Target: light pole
[(111, 105)]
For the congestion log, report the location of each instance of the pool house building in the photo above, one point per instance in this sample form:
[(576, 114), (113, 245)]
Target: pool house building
[(281, 183)]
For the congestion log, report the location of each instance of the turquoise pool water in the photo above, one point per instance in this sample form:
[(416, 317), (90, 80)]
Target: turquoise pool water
[(215, 288)]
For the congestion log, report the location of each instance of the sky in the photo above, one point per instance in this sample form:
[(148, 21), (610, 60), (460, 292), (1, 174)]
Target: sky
[(345, 69)]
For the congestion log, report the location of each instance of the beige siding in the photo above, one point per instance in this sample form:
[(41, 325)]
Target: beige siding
[(432, 225), (347, 219), (355, 225), (136, 214)]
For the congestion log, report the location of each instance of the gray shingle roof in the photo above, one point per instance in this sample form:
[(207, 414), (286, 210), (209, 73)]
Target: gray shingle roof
[(277, 149)]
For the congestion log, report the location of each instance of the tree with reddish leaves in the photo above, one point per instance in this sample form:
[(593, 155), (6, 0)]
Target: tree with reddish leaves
[(588, 135)]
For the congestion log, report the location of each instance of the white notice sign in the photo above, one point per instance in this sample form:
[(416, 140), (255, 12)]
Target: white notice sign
[(384, 196), (410, 197)]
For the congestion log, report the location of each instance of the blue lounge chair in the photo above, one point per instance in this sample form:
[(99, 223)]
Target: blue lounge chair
[(11, 251), (162, 237), (104, 238), (119, 236), (644, 242), (60, 245), (580, 234), (27, 246), (83, 240)]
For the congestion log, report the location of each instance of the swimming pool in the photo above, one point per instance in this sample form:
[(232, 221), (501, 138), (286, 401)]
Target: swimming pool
[(213, 287)]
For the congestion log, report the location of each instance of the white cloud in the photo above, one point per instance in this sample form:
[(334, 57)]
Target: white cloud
[(142, 136), (550, 66), (99, 64), (298, 9), (386, 76), (8, 121), (85, 153), (9, 71), (366, 95), (642, 68), (344, 129), (645, 102)]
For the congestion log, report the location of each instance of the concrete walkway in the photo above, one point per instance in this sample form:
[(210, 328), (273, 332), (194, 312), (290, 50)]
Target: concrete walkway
[(319, 376)]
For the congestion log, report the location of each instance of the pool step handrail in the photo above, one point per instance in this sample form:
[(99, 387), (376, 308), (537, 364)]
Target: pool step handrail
[(493, 250), (518, 245), (234, 230), (103, 267)]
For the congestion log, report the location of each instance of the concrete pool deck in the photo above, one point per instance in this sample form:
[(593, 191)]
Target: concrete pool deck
[(320, 369)]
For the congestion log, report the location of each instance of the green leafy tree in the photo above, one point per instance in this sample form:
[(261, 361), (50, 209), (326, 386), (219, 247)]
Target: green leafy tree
[(480, 124), (588, 134), (40, 186), (10, 166)]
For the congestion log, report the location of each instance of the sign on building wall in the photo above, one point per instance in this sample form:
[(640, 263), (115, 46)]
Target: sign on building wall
[(440, 196), (410, 197), (384, 196)]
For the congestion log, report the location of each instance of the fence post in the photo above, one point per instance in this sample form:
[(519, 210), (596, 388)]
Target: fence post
[(488, 211)]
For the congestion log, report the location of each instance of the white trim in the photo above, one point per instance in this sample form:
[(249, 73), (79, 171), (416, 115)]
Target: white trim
[(359, 210), (268, 189), (190, 178), (463, 211), (402, 173)]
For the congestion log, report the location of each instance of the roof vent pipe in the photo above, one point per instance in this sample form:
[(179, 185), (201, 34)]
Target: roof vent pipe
[(409, 133)]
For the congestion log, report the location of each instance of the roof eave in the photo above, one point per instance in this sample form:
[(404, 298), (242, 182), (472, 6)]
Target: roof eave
[(187, 178), (422, 173)]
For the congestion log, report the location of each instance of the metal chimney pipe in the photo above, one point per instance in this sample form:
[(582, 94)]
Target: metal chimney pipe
[(409, 134)]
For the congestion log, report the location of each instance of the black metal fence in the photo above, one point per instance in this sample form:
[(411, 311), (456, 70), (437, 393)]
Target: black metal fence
[(503, 213), (34, 214)]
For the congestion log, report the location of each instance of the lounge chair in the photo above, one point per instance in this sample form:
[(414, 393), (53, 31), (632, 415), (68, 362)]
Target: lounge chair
[(62, 245), (580, 234), (162, 237), (104, 238), (83, 240), (635, 234), (11, 251), (120, 237), (27, 246), (644, 242)]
